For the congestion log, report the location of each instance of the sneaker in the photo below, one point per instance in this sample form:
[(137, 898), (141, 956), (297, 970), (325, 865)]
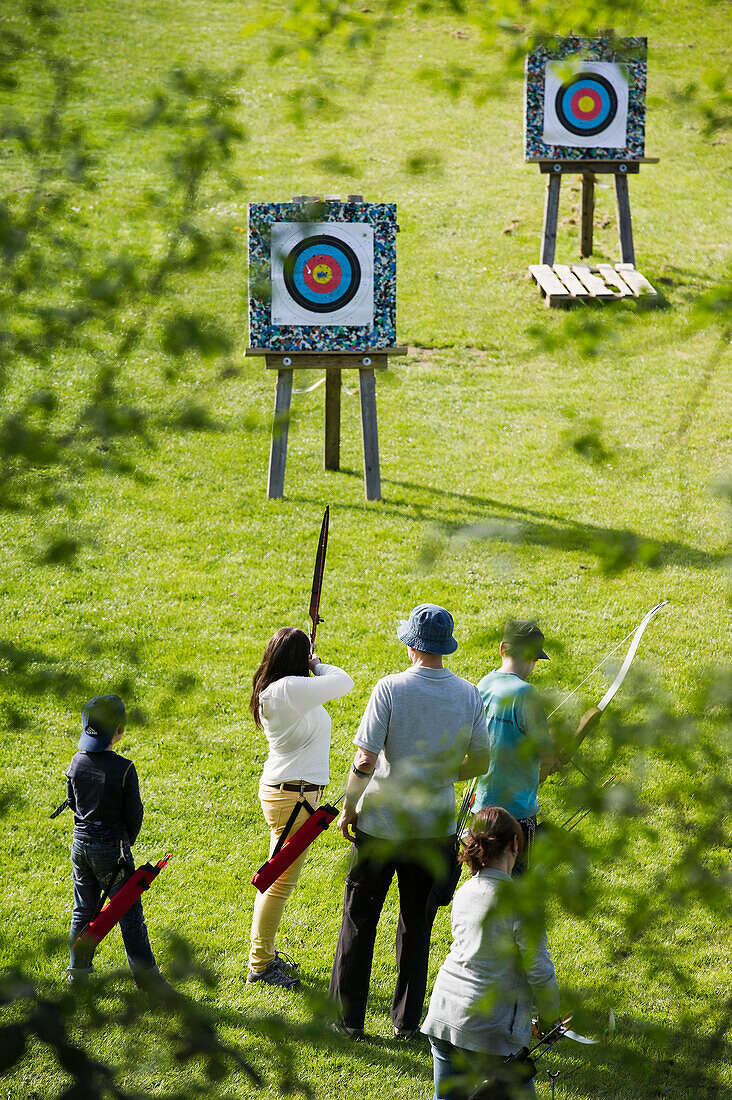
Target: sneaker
[(406, 1034), (286, 962), (79, 975), (278, 972), (354, 1033)]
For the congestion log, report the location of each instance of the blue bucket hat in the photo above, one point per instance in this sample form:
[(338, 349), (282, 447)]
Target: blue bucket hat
[(429, 629), (99, 719)]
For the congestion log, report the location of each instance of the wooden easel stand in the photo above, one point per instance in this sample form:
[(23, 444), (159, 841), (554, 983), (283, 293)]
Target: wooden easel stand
[(366, 363), (588, 169)]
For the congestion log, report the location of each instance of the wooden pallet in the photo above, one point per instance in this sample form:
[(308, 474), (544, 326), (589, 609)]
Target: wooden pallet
[(562, 284)]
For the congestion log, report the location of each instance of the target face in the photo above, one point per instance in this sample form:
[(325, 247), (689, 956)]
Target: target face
[(587, 104), (322, 274), (586, 108)]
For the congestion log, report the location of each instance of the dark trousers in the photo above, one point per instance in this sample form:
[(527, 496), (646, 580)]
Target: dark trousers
[(94, 864), (528, 828), (367, 884)]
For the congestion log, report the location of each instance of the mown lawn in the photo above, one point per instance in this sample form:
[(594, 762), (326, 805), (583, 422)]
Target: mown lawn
[(531, 466)]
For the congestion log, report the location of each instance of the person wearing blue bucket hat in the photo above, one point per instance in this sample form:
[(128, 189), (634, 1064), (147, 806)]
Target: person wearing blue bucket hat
[(103, 792), (428, 629), (422, 731)]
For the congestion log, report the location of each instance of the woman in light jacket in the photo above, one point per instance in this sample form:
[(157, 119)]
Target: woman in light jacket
[(480, 1008), (287, 703)]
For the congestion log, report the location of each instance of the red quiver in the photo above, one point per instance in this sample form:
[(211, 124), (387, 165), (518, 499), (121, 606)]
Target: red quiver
[(287, 851), (120, 904)]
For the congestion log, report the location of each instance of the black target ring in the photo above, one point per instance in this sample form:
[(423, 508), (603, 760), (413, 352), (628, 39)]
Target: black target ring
[(350, 271), (594, 85)]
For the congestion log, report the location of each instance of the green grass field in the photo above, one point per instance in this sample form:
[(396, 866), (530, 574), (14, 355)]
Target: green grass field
[(534, 463)]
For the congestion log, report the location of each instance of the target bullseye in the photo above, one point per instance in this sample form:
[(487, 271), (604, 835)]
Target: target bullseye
[(322, 273), (585, 105)]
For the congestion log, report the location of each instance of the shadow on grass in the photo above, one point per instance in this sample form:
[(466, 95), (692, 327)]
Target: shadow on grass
[(615, 549), (313, 1033), (36, 673), (644, 1060)]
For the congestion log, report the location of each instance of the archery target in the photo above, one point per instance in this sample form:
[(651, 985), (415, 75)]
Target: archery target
[(322, 274), (587, 106)]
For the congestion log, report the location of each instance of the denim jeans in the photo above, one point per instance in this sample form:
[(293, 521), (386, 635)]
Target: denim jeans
[(450, 1061), (93, 864)]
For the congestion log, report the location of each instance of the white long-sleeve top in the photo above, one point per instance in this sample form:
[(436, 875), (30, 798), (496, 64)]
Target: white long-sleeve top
[(298, 726)]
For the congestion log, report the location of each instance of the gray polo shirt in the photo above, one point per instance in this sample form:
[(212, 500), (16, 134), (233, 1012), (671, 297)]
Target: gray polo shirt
[(422, 723)]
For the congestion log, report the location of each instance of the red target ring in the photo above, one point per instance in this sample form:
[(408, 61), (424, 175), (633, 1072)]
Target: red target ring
[(587, 104), (579, 103), (322, 273)]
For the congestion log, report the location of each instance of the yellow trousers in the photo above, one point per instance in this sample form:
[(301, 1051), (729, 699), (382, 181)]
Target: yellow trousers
[(277, 806)]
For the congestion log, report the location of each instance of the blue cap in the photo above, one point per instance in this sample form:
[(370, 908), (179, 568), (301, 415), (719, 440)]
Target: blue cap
[(100, 717), (428, 629)]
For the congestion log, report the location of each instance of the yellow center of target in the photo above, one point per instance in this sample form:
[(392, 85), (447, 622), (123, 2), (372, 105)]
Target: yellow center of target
[(586, 104), (322, 273)]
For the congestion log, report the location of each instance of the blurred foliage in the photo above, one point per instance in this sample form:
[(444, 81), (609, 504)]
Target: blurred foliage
[(62, 292), (572, 878), (65, 1022), (66, 290)]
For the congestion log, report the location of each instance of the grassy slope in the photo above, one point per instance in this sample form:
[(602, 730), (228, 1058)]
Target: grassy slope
[(188, 573)]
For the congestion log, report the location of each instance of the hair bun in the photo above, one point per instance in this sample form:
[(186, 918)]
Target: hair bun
[(493, 830)]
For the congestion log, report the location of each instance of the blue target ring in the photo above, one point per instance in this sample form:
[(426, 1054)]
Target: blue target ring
[(587, 104), (322, 273)]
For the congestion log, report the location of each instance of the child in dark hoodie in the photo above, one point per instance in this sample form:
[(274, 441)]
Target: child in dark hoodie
[(104, 794)]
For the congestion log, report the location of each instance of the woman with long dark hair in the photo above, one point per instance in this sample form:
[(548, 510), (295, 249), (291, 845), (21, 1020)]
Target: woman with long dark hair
[(480, 1009), (287, 704)]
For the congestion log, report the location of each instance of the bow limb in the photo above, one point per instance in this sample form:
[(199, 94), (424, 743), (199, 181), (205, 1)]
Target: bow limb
[(592, 716), (590, 673), (637, 634), (632, 650)]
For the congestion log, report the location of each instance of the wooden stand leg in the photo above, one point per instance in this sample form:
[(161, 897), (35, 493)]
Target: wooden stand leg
[(332, 455), (370, 431), (588, 213), (551, 212), (625, 225), (280, 427)]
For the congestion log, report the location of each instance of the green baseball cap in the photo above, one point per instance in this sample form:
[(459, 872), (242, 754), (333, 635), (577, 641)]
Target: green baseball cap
[(525, 640)]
